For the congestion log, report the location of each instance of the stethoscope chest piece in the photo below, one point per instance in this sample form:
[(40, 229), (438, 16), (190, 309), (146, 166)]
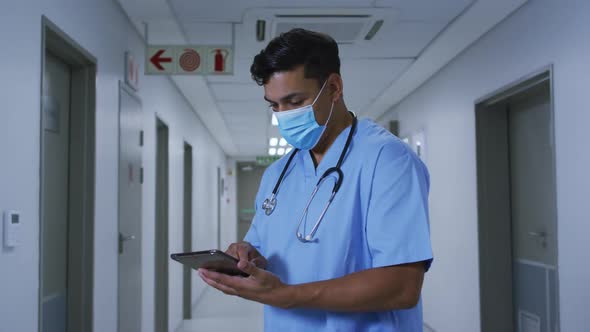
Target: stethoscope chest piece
[(269, 205)]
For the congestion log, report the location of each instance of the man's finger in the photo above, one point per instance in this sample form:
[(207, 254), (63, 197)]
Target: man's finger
[(260, 262), (223, 279), (225, 289), (250, 268), (243, 252), (231, 250)]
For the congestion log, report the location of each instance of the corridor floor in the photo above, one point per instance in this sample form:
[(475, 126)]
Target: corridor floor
[(222, 313)]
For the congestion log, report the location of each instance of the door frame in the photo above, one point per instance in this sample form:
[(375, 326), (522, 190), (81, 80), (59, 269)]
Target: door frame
[(494, 197), (188, 194), (162, 228), (82, 159), (218, 198)]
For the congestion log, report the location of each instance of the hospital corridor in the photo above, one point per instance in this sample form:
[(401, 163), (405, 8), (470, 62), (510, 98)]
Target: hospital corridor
[(294, 165)]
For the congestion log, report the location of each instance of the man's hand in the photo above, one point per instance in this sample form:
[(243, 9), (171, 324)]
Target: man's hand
[(245, 253), (261, 286), (377, 289)]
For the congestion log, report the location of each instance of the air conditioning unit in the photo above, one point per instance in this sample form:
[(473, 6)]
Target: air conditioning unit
[(346, 26)]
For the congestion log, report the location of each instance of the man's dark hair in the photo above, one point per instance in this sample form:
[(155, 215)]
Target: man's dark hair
[(317, 52)]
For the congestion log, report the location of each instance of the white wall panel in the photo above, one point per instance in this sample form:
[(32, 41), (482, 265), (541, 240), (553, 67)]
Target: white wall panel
[(541, 33), (101, 28)]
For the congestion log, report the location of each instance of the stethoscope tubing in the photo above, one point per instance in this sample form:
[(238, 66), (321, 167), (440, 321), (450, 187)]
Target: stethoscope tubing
[(269, 204)]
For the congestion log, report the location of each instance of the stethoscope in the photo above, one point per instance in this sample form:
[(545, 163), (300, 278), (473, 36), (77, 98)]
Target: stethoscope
[(270, 203)]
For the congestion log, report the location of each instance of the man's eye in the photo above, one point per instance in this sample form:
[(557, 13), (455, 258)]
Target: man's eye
[(296, 102)]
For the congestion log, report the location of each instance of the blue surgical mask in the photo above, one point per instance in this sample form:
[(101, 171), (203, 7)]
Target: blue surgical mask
[(299, 126)]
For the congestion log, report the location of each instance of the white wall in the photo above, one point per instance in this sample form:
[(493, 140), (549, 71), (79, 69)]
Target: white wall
[(541, 33), (103, 30)]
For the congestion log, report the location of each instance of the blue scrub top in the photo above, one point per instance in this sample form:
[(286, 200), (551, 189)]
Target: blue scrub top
[(378, 218)]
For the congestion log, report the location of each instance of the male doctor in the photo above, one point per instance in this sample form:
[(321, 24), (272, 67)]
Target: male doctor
[(352, 257)]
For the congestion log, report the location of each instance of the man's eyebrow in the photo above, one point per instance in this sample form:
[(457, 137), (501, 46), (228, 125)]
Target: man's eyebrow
[(286, 98)]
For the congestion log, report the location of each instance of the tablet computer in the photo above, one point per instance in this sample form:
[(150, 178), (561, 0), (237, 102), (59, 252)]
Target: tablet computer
[(214, 260)]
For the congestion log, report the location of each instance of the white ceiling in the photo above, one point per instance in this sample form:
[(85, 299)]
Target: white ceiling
[(232, 106)]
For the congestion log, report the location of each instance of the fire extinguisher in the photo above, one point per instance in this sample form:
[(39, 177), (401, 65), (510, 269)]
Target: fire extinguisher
[(219, 63)]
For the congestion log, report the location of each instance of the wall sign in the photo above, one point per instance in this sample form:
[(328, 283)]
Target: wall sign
[(189, 60), (131, 71)]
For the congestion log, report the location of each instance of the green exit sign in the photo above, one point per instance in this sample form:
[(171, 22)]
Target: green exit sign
[(266, 160)]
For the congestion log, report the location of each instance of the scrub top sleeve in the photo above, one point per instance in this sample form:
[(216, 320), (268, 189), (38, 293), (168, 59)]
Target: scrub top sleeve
[(397, 225), (252, 237)]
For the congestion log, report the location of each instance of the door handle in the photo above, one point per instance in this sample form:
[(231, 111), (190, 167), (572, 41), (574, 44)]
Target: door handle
[(123, 239), (540, 235)]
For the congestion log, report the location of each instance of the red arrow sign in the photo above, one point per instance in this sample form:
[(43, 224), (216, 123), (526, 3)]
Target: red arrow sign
[(157, 60)]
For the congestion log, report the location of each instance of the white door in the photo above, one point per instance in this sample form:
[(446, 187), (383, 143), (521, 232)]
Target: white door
[(533, 211), (56, 153), (130, 186)]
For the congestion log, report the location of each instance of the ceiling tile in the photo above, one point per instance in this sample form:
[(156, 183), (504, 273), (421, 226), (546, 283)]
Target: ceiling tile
[(257, 109), (426, 10), (214, 11), (407, 39), (237, 92), (365, 79), (395, 39), (203, 33), (323, 3), (147, 10)]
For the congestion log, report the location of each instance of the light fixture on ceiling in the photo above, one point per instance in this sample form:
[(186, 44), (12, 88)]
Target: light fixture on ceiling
[(273, 141), (280, 151), (272, 151), (374, 29), (283, 142), (288, 149), (274, 121), (260, 30)]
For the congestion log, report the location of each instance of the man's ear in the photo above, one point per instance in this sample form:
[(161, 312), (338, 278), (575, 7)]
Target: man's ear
[(336, 87)]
